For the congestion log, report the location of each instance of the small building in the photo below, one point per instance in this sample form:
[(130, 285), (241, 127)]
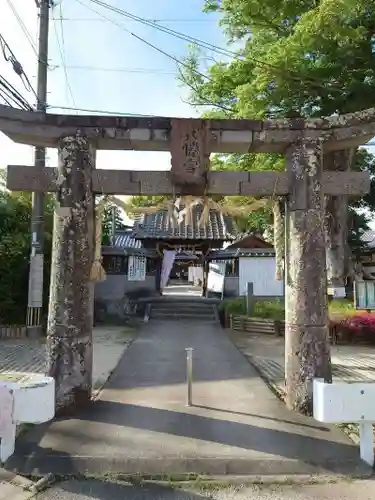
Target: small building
[(249, 259), (133, 263)]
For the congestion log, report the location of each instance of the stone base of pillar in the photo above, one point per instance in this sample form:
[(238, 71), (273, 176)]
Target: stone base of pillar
[(70, 364), (34, 332)]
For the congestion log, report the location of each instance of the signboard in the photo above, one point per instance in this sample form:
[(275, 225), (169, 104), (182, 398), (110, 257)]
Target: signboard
[(136, 268), (216, 277), (364, 294), (36, 281)]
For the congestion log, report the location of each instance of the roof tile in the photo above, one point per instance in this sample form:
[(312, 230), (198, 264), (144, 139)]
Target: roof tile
[(158, 226)]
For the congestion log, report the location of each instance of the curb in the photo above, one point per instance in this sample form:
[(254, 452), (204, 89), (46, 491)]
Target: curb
[(15, 480)]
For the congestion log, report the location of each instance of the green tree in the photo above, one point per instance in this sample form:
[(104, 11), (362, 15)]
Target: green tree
[(15, 236), (297, 59), (112, 214)]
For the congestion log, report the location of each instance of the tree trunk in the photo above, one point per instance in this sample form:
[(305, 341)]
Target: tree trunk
[(307, 352), (336, 228), (70, 318)]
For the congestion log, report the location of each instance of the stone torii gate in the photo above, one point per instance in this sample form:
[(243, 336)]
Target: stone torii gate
[(76, 181)]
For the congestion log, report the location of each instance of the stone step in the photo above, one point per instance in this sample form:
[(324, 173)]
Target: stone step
[(182, 303), (182, 317), (187, 310), (190, 319), (192, 314)]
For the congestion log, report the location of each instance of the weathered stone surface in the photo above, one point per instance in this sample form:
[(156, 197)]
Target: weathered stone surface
[(336, 224), (154, 133), (307, 357), (70, 320), (190, 154), (306, 285), (306, 340), (133, 182)]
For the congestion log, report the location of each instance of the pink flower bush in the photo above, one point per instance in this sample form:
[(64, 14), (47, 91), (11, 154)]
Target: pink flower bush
[(360, 321), (359, 324)]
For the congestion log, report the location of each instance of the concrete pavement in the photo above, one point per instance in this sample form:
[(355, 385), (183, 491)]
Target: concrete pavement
[(13, 487), (106, 490), (140, 423), (352, 363), (109, 343)]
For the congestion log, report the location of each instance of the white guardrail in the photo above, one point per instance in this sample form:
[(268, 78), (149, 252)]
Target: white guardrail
[(24, 398), (348, 403)]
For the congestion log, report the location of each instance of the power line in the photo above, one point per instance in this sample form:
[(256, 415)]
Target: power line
[(23, 27), (115, 113), (9, 56), (161, 51), (182, 20), (13, 94), (153, 71), (177, 34), (62, 57), (201, 43)]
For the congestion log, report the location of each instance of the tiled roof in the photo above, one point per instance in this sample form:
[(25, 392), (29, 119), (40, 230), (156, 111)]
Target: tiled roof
[(126, 240), (157, 226), (232, 253)]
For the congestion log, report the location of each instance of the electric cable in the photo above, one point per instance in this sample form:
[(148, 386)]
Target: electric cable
[(62, 57), (9, 56), (23, 27), (201, 43)]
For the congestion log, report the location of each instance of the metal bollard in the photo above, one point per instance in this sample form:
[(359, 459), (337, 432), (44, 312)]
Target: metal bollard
[(189, 375)]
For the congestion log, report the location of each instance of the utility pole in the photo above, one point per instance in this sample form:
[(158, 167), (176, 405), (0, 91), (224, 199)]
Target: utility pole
[(35, 296)]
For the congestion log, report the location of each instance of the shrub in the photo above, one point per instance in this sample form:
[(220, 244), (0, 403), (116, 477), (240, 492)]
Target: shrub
[(359, 322), (269, 309), (264, 308)]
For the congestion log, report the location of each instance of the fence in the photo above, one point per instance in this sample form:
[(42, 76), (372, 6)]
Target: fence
[(277, 328), (257, 325), (12, 332)]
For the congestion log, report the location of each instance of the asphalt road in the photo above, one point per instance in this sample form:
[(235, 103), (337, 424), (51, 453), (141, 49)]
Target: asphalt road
[(105, 490)]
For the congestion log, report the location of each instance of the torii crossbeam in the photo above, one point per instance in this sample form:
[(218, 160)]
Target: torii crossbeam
[(304, 185)]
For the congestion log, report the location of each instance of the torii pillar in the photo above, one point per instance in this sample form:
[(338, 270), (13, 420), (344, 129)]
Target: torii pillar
[(70, 313), (307, 353)]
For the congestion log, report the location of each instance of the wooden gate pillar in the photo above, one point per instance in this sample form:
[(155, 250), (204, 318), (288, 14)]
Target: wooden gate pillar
[(70, 318), (307, 353)]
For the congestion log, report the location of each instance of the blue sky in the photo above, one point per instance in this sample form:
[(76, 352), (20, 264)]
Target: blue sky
[(90, 41), (86, 40)]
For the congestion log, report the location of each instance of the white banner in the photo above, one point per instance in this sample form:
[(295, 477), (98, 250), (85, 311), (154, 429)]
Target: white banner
[(168, 260), (136, 268), (215, 278)]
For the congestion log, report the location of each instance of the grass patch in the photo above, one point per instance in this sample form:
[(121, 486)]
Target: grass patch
[(275, 308)]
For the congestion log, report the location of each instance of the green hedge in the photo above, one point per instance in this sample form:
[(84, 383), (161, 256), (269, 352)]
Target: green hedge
[(265, 308), (275, 308)]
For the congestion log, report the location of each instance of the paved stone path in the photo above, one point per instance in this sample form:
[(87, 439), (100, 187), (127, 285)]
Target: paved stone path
[(140, 423), (349, 363), (29, 356)]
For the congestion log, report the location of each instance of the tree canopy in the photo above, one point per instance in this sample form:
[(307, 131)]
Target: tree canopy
[(295, 59)]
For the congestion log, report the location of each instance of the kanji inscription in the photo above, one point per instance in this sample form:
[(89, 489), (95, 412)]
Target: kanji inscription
[(190, 152)]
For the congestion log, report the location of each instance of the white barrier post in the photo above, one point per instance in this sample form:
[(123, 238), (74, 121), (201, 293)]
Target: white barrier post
[(24, 398), (348, 403), (366, 442), (189, 375)]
